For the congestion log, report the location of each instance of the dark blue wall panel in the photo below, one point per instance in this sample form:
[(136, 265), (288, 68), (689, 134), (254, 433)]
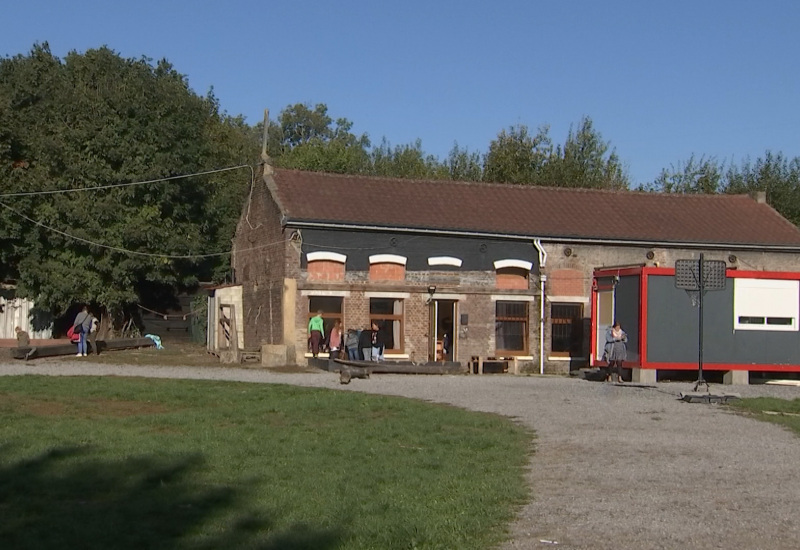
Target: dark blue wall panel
[(476, 254), (672, 330), (626, 310)]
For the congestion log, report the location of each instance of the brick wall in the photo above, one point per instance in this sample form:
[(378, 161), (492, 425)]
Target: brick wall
[(511, 278), (259, 264), (567, 282), (474, 290)]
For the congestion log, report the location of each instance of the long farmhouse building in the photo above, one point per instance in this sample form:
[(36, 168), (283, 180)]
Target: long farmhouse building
[(518, 273)]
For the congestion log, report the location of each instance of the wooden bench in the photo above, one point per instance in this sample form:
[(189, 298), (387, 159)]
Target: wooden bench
[(478, 363)]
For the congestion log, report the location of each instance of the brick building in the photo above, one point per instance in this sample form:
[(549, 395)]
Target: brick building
[(471, 260)]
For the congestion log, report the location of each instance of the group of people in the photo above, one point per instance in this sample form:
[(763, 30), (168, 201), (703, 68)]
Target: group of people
[(356, 345)]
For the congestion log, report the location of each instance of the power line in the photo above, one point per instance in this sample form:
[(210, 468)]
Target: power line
[(115, 185), (134, 252)]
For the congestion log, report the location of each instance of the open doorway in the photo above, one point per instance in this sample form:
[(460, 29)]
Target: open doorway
[(442, 342)]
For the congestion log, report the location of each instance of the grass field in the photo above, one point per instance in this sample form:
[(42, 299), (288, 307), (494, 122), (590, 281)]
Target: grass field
[(138, 463), (769, 409)]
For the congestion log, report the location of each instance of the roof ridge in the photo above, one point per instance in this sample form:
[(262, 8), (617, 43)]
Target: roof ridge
[(505, 185)]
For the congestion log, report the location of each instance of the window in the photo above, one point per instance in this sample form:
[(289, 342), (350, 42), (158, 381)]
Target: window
[(331, 308), (765, 304), (566, 330), (387, 313), (511, 328)]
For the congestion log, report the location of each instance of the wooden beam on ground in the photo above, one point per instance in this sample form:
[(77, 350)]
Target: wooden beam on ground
[(36, 352), (387, 367)]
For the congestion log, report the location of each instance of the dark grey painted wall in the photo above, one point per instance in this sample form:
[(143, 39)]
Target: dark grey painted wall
[(672, 330), (476, 254), (626, 311)]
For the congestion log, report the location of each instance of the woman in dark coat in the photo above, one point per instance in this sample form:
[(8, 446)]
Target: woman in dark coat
[(616, 350)]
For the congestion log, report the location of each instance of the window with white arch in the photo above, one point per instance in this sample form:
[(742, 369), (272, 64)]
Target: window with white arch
[(512, 274)]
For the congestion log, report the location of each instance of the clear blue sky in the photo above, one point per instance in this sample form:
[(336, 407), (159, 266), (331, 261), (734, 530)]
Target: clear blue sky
[(661, 80)]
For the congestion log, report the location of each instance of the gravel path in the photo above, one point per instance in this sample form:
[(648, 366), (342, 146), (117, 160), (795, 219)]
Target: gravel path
[(614, 467)]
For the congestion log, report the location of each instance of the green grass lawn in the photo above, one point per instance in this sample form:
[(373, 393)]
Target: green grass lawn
[(770, 409), (138, 463)]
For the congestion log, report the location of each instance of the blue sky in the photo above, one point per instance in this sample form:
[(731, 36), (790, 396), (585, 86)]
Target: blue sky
[(661, 80)]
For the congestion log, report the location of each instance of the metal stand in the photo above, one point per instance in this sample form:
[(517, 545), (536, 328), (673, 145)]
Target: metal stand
[(702, 290), (698, 277)]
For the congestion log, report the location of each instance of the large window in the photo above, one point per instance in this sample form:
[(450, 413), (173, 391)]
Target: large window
[(511, 328), (331, 308), (566, 322), (765, 304), (387, 313)]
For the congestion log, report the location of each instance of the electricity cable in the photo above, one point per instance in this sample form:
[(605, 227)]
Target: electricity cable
[(115, 185), (134, 252)]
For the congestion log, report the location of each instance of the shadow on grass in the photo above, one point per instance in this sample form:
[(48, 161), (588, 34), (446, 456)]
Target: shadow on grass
[(65, 499)]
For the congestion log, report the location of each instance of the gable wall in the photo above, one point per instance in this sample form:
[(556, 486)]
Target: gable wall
[(260, 266)]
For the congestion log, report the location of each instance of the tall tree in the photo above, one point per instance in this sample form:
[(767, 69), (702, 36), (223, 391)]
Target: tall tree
[(516, 156), (97, 119), (585, 160), (405, 161), (462, 165), (309, 139), (696, 175), (774, 174)]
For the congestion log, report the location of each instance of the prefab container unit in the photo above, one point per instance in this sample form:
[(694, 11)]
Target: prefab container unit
[(751, 324)]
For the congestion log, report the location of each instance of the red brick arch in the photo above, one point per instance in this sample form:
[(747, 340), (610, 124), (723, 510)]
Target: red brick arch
[(325, 270)]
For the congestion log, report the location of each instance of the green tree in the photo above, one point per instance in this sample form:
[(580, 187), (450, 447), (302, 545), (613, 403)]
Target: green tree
[(97, 119), (516, 156), (775, 175), (309, 139), (586, 160), (461, 165), (405, 161), (696, 175)]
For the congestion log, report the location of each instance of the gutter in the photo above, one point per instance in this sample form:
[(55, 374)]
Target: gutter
[(285, 221)]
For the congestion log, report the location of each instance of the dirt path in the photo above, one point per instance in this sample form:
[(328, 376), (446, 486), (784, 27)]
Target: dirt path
[(614, 467)]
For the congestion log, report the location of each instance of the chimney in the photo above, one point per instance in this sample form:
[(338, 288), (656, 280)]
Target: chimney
[(760, 197)]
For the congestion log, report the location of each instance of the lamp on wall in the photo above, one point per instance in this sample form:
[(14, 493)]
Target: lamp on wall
[(431, 290)]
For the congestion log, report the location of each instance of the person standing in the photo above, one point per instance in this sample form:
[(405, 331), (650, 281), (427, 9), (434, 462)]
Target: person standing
[(335, 341), (365, 343), (616, 351), (316, 329), (351, 343), (81, 327), (378, 343), (93, 334)]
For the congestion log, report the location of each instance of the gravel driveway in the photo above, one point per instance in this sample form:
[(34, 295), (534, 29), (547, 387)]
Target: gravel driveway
[(614, 467)]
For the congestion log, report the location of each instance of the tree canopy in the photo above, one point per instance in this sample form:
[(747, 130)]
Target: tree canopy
[(585, 159), (774, 174), (96, 119)]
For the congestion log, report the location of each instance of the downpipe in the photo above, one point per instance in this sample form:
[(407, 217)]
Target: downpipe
[(542, 279)]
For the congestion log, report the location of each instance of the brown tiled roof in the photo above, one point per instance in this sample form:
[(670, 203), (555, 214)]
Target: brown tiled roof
[(548, 213)]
